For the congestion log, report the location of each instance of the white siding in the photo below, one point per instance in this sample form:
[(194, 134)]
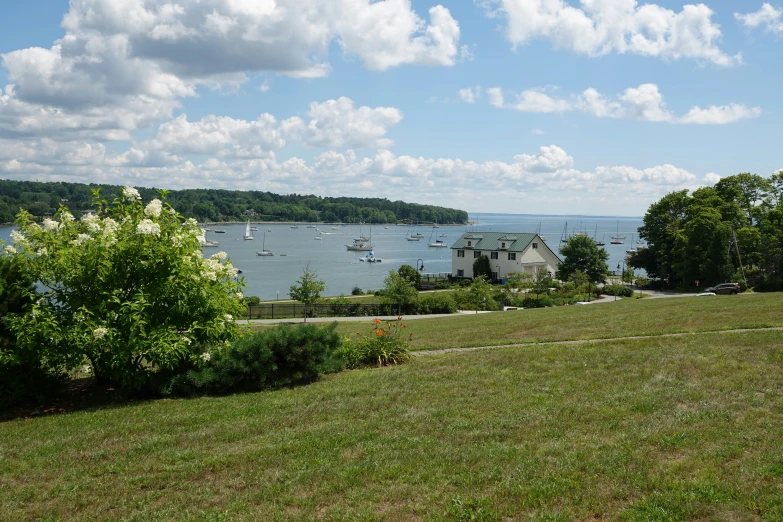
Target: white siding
[(527, 261)]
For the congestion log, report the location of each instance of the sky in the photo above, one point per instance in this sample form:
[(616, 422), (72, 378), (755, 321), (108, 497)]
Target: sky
[(591, 107)]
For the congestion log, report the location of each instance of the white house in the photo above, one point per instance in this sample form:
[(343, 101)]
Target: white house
[(507, 252)]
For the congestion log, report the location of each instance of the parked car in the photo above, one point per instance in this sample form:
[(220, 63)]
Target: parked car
[(725, 288)]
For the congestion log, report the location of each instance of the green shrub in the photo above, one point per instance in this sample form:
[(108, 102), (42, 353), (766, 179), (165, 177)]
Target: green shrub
[(251, 300), (275, 358), (438, 303), (382, 347), (542, 302), (618, 290), (23, 374), (357, 291)]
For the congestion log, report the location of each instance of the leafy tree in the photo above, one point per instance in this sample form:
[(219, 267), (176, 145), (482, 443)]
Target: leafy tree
[(478, 294), (642, 282), (126, 289), (411, 274), (542, 282), (582, 254), (627, 276), (481, 268), (515, 283), (308, 290), (398, 290)]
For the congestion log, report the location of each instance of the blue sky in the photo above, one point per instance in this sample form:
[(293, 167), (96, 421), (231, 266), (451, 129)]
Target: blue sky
[(530, 106)]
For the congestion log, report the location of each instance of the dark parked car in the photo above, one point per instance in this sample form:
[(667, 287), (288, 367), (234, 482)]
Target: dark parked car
[(725, 288)]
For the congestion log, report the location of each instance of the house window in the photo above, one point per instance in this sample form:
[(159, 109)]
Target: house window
[(493, 255), (470, 243), (460, 273), (476, 253), (460, 253), (535, 245), (512, 256), (502, 245)]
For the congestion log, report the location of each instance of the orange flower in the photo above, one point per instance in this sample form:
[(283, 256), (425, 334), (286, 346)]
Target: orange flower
[(379, 332), (376, 321), (404, 326), (399, 318)]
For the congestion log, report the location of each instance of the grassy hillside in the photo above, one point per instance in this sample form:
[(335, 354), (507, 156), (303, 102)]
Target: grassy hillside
[(600, 321), (684, 428)]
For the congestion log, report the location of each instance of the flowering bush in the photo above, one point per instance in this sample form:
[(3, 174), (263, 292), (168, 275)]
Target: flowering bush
[(382, 347), (126, 288)]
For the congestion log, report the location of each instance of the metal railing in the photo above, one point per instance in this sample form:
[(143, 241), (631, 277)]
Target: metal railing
[(287, 310)]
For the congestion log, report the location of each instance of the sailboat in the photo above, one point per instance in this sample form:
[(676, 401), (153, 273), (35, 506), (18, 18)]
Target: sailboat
[(410, 236), (538, 232), (439, 243), (248, 233), (564, 236), (631, 250), (363, 244), (595, 237), (207, 243), (618, 238), (264, 251)]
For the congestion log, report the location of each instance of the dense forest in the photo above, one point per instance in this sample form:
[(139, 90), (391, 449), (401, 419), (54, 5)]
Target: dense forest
[(727, 233), (208, 205)]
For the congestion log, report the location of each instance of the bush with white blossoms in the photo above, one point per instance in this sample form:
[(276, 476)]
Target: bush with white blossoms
[(126, 288)]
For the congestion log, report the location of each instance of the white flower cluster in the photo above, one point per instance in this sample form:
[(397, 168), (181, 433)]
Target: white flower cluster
[(93, 223), (148, 227), (154, 208), (18, 238), (229, 317), (220, 256), (42, 251), (81, 239), (191, 222), (50, 225), (66, 217), (187, 340), (205, 356), (99, 333), (130, 193), (9, 249)]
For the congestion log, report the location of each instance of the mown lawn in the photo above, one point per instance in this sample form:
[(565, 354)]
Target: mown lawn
[(624, 318), (683, 428)]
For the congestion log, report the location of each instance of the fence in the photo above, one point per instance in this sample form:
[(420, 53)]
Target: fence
[(285, 310)]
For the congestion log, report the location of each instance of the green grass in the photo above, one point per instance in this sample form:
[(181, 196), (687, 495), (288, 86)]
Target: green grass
[(600, 321), (637, 430)]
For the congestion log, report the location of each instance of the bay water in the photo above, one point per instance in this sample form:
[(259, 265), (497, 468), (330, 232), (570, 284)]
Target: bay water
[(270, 277)]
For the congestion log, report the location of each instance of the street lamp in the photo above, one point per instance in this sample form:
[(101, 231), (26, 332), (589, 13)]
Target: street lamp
[(420, 264), (278, 294)]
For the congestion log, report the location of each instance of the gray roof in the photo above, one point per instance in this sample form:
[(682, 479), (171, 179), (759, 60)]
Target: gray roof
[(515, 242)]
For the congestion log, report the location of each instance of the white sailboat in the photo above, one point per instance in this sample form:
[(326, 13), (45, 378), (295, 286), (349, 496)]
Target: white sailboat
[(264, 251), (438, 243), (248, 233)]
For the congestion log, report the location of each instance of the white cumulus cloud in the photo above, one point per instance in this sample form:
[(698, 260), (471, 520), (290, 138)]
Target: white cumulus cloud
[(767, 17), (644, 102), (602, 27), (469, 94)]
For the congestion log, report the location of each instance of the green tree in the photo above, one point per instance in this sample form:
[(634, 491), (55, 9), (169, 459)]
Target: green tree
[(478, 294), (516, 282), (126, 288), (542, 282), (481, 268), (308, 290), (410, 274), (582, 254), (398, 290)]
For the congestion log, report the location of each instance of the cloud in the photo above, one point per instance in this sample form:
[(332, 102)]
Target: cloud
[(614, 26), (718, 115), (548, 172), (767, 17), (469, 94), (538, 132), (711, 178), (125, 65), (644, 102)]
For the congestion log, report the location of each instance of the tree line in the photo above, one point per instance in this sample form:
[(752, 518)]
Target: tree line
[(732, 232), (42, 199)]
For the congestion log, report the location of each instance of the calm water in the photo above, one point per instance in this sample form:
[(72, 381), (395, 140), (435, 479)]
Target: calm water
[(342, 270)]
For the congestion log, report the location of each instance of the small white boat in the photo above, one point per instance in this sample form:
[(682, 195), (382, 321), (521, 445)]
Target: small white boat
[(311, 226), (294, 226), (318, 238), (248, 232), (413, 238), (370, 258), (264, 251), (255, 229)]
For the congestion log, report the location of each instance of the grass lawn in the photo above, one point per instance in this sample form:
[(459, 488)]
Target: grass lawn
[(636, 430), (627, 317)]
